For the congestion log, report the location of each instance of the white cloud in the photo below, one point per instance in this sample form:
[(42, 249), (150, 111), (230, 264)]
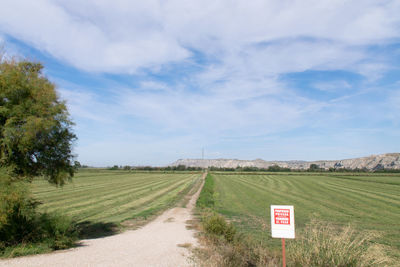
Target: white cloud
[(241, 22), (124, 36), (82, 42), (237, 92), (255, 108), (88, 106)]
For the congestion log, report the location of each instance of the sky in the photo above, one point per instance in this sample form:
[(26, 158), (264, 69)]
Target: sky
[(150, 82)]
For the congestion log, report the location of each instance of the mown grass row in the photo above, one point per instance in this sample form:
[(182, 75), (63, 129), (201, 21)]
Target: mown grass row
[(325, 205), (112, 197)]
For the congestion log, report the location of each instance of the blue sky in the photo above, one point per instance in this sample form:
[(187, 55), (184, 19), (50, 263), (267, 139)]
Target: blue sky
[(149, 82)]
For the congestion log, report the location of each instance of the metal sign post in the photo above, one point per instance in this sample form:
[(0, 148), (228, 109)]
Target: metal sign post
[(283, 253), (282, 225)]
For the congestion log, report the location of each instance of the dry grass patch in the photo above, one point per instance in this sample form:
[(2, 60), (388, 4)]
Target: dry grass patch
[(193, 225), (244, 252), (322, 244), (136, 223), (185, 245), (170, 219)]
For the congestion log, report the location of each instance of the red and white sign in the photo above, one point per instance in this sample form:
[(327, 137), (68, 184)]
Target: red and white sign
[(282, 221), (282, 216)]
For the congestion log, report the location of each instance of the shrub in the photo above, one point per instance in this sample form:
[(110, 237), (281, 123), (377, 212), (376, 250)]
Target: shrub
[(216, 225), (23, 230), (59, 231), (17, 213)]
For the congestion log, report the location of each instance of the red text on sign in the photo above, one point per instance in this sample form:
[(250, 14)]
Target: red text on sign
[(282, 216)]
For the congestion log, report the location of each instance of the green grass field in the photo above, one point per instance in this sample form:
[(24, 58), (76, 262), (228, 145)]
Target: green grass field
[(105, 196), (365, 201)]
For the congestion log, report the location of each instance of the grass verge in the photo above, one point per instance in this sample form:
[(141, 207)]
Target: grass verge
[(318, 244), (206, 197)]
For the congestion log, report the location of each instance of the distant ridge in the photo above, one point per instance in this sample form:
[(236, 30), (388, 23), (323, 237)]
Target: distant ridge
[(389, 161)]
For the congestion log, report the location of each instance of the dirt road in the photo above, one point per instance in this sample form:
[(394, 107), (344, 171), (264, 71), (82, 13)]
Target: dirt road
[(162, 242)]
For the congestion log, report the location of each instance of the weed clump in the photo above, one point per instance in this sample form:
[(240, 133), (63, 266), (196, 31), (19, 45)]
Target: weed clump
[(217, 226)]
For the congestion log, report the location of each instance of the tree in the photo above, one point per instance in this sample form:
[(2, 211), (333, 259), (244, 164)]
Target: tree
[(314, 167), (115, 167), (77, 164), (180, 167), (35, 140), (35, 132)]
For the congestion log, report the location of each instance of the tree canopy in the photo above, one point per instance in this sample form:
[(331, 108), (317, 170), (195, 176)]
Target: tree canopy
[(35, 130)]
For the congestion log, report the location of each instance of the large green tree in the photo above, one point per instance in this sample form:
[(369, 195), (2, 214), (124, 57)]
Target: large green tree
[(35, 129)]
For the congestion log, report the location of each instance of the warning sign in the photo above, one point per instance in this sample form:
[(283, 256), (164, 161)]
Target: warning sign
[(282, 221), (282, 216)]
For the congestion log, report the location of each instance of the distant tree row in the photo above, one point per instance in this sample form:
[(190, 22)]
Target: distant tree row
[(150, 168), (312, 168), (273, 168)]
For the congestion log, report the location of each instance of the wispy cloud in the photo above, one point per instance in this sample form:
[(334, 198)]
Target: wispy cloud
[(85, 105), (87, 42), (186, 73), (123, 36)]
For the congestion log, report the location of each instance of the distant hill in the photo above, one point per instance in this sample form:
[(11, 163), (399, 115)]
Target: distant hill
[(373, 162)]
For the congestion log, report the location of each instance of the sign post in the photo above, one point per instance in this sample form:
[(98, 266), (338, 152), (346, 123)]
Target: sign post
[(282, 225), (283, 253)]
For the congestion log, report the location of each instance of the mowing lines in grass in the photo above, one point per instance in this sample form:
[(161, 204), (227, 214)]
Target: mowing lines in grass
[(112, 196), (367, 202)]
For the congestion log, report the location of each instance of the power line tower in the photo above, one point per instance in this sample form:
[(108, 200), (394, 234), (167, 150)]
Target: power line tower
[(202, 158)]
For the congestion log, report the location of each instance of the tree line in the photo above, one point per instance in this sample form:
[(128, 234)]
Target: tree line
[(150, 168), (273, 168)]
